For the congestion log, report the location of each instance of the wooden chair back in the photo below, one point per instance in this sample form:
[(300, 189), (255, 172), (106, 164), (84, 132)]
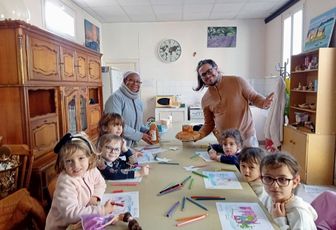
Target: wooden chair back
[(26, 163)]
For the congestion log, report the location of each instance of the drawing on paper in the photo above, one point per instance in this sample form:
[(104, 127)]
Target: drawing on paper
[(129, 199), (221, 180), (242, 216)]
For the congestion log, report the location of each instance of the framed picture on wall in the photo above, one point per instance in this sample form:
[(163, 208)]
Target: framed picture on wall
[(320, 30), (224, 36), (92, 39)]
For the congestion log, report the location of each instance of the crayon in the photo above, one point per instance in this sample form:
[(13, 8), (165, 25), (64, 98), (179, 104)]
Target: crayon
[(191, 220), (190, 184), (196, 203), (199, 174), (172, 209)]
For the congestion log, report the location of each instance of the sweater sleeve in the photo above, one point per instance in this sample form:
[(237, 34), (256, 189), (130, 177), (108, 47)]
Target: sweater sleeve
[(99, 184), (209, 123), (119, 173), (250, 94), (66, 201), (233, 160)]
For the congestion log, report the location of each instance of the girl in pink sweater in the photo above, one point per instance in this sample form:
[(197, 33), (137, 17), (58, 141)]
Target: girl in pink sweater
[(79, 186)]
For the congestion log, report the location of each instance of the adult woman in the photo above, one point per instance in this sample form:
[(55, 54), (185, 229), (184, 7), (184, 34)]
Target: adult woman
[(126, 102), (226, 103)]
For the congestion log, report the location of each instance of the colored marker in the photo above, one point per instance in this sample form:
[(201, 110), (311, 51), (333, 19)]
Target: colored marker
[(125, 184), (172, 209), (183, 203), (117, 191), (199, 174), (170, 190), (185, 180), (189, 217), (190, 184), (214, 197), (191, 220), (171, 187), (117, 204), (168, 163), (196, 203)]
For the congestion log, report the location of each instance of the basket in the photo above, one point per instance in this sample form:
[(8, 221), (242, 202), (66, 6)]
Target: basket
[(8, 173)]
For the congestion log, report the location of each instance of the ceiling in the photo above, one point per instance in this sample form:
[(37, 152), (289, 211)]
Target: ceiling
[(111, 11)]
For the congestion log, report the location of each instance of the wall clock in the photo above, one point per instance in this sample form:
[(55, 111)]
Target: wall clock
[(169, 50)]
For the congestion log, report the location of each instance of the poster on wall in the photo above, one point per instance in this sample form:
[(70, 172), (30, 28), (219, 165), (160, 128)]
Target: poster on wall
[(92, 40), (320, 30), (224, 36)]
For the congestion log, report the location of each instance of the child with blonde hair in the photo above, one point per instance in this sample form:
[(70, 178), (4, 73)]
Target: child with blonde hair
[(110, 165), (79, 185), (249, 165), (280, 176), (228, 150)]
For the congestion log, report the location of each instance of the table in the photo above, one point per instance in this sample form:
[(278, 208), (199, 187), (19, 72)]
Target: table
[(153, 207)]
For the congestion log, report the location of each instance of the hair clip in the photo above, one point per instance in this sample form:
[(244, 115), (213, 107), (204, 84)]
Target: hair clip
[(68, 137)]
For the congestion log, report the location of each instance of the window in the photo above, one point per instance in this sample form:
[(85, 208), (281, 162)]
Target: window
[(59, 18), (292, 35)]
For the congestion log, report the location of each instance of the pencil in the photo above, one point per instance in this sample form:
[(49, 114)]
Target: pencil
[(168, 163), (183, 203), (199, 197), (190, 184), (196, 203), (191, 220), (170, 190), (189, 217), (171, 187), (185, 180), (199, 174), (171, 210)]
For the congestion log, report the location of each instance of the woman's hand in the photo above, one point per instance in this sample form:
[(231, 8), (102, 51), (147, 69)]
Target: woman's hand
[(268, 101), (278, 210), (147, 138)]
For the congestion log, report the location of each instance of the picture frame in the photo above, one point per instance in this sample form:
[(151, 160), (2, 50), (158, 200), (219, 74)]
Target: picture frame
[(321, 29), (223, 36), (92, 36)]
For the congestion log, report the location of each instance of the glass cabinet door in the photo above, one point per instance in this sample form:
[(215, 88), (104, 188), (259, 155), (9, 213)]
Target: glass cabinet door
[(72, 115), (83, 115)]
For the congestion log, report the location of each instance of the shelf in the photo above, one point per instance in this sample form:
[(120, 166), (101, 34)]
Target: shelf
[(303, 91), (305, 71), (302, 109)]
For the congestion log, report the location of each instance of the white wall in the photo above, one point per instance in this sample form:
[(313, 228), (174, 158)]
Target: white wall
[(139, 41), (35, 8), (312, 8)]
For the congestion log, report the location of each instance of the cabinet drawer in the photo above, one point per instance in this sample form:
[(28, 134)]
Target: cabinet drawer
[(44, 133)]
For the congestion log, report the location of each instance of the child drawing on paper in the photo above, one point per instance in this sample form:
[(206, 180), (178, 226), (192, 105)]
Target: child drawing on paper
[(228, 150), (110, 165)]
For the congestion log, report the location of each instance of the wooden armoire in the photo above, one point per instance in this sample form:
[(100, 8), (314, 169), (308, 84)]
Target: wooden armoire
[(48, 86)]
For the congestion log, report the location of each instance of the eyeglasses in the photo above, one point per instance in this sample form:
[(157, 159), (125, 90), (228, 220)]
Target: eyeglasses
[(111, 149), (134, 81), (281, 181), (206, 73)]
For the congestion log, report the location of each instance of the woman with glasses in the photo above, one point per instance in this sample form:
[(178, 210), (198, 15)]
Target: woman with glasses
[(226, 103), (280, 176), (126, 102)]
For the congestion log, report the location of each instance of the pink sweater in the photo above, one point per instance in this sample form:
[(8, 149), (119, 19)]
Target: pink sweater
[(71, 197), (226, 105)]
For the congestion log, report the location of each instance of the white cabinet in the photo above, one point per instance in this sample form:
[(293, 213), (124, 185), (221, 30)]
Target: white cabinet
[(178, 114)]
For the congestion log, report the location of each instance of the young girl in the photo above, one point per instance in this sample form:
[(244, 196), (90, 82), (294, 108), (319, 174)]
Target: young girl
[(114, 124), (79, 186), (110, 165), (228, 150), (280, 176), (249, 165)]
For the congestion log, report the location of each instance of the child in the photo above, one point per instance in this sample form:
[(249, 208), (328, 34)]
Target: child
[(249, 165), (227, 153), (110, 165), (280, 176), (79, 186), (114, 124)]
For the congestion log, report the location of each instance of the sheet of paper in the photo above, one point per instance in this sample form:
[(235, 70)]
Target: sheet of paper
[(134, 180), (234, 216), (149, 155), (129, 199), (221, 180), (204, 155)]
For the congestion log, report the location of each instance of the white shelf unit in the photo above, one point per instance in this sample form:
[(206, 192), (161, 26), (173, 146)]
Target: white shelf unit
[(178, 114)]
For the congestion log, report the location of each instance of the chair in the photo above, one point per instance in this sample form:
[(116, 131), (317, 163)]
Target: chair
[(324, 205), (24, 158)]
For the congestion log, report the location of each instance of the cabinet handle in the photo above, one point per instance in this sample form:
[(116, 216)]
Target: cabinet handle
[(61, 63)]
